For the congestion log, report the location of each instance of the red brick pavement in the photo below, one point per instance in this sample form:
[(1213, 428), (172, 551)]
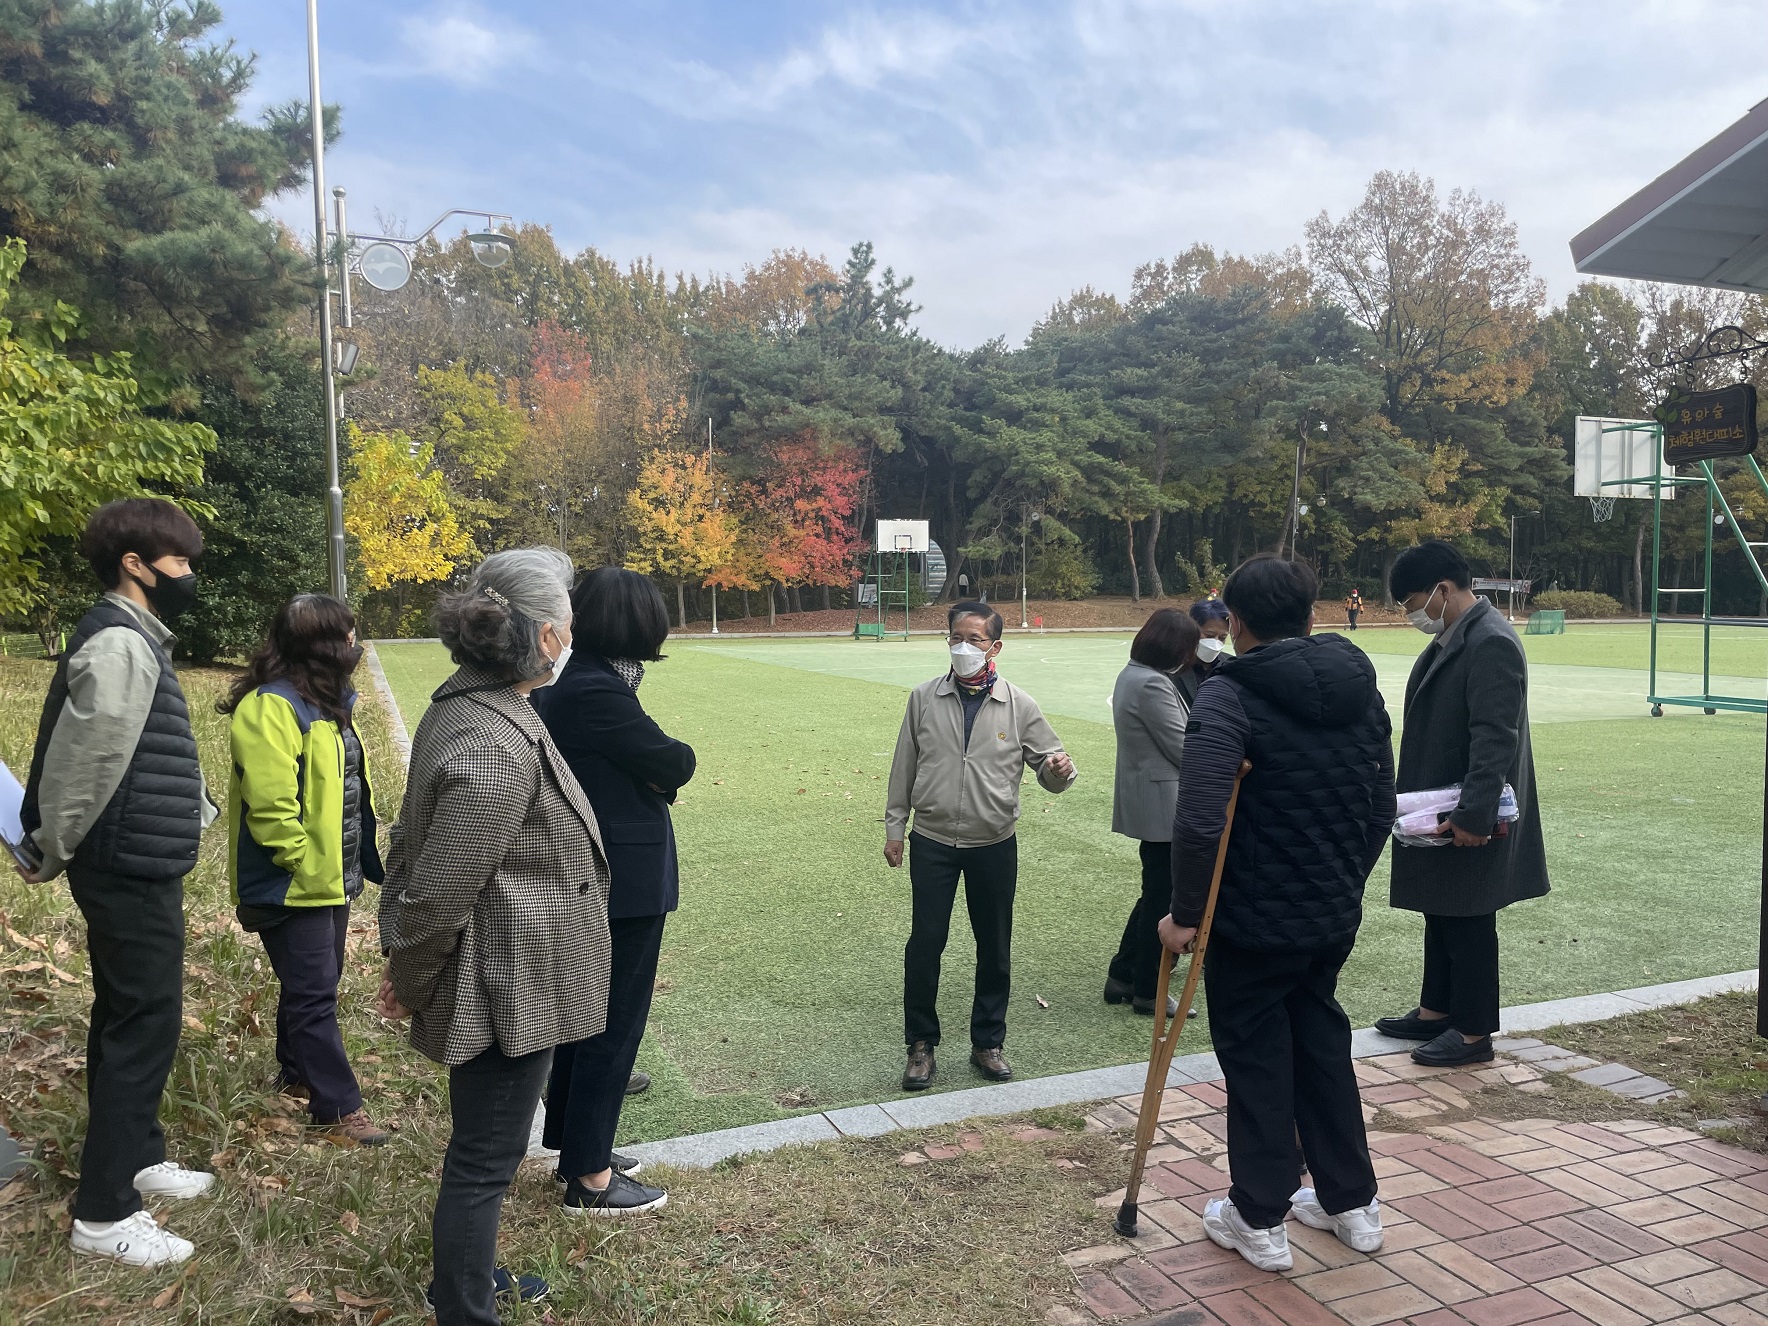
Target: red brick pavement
[(1527, 1223)]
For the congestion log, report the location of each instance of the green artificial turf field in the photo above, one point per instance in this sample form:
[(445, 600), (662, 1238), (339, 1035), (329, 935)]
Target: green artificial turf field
[(780, 987)]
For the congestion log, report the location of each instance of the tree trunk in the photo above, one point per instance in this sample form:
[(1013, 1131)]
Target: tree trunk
[(825, 598), (770, 607), (1156, 589), (746, 612), (681, 606), (1135, 579), (1639, 570)]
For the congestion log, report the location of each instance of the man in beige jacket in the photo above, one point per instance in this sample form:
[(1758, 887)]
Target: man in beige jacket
[(964, 745)]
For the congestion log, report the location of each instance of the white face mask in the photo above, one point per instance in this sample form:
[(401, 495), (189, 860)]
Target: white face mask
[(1208, 650), (1422, 619), (968, 660), (557, 668)]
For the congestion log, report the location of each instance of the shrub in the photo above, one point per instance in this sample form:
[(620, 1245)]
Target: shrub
[(1578, 603), (1062, 571)]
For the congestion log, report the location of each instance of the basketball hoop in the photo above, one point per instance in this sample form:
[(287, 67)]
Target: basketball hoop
[(1601, 508)]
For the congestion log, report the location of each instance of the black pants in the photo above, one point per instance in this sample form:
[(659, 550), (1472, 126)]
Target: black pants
[(1352, 614), (135, 939), (1285, 1049), (491, 1100), (307, 952), (1461, 971), (991, 875), (1138, 953), (588, 1083)]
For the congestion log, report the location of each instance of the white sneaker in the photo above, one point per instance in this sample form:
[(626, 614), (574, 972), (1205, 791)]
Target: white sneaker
[(1267, 1249), (170, 1179), (1358, 1229), (136, 1241)]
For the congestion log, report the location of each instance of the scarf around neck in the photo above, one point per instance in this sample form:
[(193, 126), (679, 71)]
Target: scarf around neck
[(631, 671), (979, 686)]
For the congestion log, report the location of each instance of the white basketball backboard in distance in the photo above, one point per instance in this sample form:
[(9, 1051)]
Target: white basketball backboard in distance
[(902, 536), (1607, 450)]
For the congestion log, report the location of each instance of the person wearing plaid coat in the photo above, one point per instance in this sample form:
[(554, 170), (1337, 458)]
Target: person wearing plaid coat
[(494, 912)]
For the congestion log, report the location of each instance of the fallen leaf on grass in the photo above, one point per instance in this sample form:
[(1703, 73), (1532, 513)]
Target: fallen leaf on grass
[(26, 941), (351, 1300), (302, 1302), (1041, 1001), (350, 1221), (194, 1023), (169, 1295), (222, 1159), (381, 1314)]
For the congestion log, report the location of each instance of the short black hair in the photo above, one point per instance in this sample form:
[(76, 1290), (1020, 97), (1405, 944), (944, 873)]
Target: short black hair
[(1167, 639), (974, 608), (149, 527), (1427, 564), (619, 614), (1272, 596), (1205, 611)]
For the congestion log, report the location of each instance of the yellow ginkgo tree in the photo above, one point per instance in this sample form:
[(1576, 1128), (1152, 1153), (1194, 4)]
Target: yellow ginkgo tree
[(397, 510), (680, 530)]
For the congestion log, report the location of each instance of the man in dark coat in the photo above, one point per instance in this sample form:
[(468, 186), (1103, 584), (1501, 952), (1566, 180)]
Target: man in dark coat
[(1313, 816), (1467, 722)]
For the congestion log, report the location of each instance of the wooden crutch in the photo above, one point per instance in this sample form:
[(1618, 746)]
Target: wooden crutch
[(1166, 1038)]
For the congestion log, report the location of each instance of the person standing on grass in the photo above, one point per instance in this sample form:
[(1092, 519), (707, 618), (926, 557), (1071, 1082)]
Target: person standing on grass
[(1353, 607), (301, 840), (630, 769), (1467, 722), (1150, 718), (1211, 616), (116, 798), (494, 914), (1314, 814), (965, 743)]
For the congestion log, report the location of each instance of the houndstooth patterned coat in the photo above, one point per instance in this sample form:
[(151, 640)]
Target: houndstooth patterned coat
[(494, 914)]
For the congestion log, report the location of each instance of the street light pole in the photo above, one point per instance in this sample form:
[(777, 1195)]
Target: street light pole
[(334, 494), (343, 266), (1024, 524), (1512, 568)]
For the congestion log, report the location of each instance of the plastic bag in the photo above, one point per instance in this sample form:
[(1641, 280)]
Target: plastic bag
[(1421, 814)]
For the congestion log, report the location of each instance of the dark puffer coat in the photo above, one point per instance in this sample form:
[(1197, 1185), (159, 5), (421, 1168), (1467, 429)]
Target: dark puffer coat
[(1315, 810)]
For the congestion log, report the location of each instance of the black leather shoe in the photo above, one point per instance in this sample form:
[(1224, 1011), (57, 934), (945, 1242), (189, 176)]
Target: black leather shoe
[(991, 1063), (1118, 992), (1411, 1027), (622, 1197), (918, 1076), (638, 1082), (1146, 1007), (1450, 1051)]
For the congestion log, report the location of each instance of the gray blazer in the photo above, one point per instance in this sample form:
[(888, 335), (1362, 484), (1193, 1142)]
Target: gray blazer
[(1467, 722), (1150, 718), (494, 913)]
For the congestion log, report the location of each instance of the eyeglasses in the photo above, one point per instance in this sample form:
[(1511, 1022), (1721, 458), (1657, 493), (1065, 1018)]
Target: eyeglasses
[(978, 639)]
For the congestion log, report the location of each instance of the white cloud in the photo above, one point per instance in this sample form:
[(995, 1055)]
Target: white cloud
[(458, 48)]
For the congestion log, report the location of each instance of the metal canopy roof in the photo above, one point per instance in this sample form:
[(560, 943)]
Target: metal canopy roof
[(1704, 221)]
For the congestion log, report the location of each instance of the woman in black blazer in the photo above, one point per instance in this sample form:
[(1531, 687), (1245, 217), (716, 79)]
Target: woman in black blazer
[(630, 769)]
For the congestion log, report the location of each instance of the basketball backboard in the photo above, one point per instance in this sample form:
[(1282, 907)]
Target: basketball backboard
[(902, 536), (1608, 450)]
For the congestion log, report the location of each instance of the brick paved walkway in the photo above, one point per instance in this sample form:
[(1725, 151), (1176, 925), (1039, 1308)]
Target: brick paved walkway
[(1488, 1223)]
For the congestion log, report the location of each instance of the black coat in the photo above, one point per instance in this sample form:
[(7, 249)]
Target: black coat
[(1467, 722), (1315, 810), (630, 769)]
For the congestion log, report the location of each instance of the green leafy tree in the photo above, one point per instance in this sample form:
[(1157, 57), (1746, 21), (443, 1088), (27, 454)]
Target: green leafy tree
[(137, 188), (72, 436)]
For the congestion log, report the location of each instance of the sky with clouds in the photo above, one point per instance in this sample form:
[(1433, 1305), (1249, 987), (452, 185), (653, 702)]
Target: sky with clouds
[(1002, 154)]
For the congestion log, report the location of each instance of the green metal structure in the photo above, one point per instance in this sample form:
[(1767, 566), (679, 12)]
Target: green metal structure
[(1717, 505), (884, 590)]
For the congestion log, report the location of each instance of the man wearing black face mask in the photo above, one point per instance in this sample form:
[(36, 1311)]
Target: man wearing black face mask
[(116, 799)]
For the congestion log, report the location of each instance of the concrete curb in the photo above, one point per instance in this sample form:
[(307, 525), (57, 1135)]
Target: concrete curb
[(1096, 1084), (401, 738)]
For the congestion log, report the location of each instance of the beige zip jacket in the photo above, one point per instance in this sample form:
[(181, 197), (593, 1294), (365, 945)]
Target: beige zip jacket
[(967, 798)]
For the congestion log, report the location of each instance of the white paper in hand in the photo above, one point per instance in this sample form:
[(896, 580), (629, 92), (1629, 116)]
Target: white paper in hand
[(12, 829)]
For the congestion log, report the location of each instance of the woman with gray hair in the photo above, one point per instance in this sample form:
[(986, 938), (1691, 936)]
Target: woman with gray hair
[(494, 914)]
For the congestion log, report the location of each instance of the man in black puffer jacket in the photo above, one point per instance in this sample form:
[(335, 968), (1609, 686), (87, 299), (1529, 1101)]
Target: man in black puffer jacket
[(1313, 816)]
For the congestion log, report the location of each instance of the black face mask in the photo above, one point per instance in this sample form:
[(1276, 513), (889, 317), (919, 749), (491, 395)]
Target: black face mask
[(169, 595)]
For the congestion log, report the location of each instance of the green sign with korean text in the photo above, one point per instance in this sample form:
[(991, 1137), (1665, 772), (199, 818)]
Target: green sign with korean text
[(1703, 425)]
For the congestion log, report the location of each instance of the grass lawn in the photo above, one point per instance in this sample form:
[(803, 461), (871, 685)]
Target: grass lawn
[(781, 978)]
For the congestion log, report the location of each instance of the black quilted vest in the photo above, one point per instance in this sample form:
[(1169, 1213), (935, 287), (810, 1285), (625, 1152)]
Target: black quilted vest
[(1295, 870), (150, 828)]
